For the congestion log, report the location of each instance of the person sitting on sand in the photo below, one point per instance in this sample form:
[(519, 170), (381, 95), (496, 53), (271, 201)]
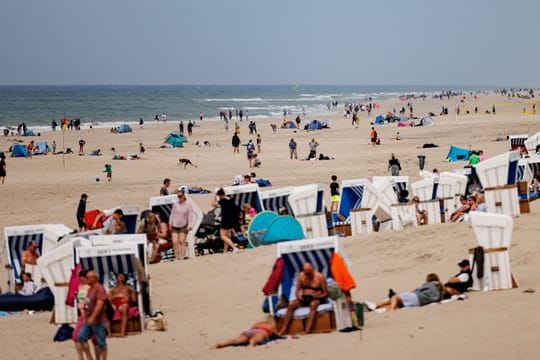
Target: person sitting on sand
[(257, 334), (112, 224), (462, 281), (431, 291), (311, 290), (120, 297)]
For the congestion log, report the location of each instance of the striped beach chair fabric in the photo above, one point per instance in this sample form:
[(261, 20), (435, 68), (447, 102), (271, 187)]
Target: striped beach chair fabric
[(245, 194), (16, 245), (276, 199)]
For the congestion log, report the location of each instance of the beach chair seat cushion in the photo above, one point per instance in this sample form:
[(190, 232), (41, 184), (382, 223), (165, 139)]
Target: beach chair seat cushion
[(303, 312)]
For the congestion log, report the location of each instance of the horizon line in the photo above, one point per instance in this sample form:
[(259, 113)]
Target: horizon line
[(264, 85)]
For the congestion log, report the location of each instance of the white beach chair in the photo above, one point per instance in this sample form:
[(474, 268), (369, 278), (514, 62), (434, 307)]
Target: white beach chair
[(16, 240), (498, 176), (317, 251), (162, 206), (516, 141), (307, 204), (532, 142), (401, 215), (493, 233), (426, 190), (120, 257)]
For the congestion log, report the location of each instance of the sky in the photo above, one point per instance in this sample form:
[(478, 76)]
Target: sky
[(377, 42)]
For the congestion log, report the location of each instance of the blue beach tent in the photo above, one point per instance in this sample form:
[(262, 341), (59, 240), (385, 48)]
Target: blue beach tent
[(124, 128), (175, 139), (315, 125), (379, 120), (19, 150), (457, 154), (268, 227)]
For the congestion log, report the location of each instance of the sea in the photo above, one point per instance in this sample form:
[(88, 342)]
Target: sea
[(112, 105)]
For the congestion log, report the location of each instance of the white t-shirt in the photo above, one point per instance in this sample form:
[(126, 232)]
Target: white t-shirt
[(463, 277), (29, 288)]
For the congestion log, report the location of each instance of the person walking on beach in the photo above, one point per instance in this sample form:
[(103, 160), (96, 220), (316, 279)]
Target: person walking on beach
[(180, 224), (259, 143), (250, 151), (373, 136), (3, 168), (108, 171), (181, 127), (292, 149), (141, 123), (201, 116), (164, 191), (190, 128), (54, 147), (394, 166), (312, 149), (334, 194), (96, 321), (230, 217), (236, 143), (30, 149), (81, 210), (81, 146)]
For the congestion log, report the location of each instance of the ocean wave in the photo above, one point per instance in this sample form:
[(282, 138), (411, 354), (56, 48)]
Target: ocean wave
[(235, 100)]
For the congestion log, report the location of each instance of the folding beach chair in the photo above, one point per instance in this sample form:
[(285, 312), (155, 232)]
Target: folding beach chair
[(494, 234)]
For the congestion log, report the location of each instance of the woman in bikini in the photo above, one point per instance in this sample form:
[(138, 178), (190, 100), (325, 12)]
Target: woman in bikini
[(257, 334)]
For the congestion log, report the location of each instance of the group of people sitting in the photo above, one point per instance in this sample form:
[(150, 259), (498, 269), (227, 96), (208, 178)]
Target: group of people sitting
[(473, 202), (312, 290)]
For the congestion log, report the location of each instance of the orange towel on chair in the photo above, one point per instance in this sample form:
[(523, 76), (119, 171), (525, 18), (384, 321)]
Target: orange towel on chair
[(340, 273)]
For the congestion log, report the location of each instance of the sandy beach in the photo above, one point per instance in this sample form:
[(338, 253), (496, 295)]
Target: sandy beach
[(211, 298)]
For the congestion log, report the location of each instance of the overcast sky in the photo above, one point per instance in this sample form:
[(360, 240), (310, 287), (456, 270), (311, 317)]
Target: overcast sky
[(458, 42)]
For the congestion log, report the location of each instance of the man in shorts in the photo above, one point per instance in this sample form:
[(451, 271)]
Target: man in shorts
[(96, 320), (311, 290)]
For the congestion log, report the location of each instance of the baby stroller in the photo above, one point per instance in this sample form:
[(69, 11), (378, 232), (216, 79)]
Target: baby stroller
[(207, 235)]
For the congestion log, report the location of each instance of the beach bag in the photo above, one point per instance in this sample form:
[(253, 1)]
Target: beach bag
[(65, 332), (156, 323)]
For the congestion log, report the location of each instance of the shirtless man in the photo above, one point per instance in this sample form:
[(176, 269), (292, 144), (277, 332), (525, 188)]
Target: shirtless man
[(311, 290), (120, 297), (30, 255)]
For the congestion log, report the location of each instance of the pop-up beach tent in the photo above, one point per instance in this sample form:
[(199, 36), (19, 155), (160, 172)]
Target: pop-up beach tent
[(19, 150), (315, 125), (124, 128), (175, 139), (457, 154), (426, 121), (379, 120), (41, 148), (268, 227), (288, 125)]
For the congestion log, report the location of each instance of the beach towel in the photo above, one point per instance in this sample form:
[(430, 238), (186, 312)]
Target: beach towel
[(274, 279), (478, 260), (73, 285), (340, 273)]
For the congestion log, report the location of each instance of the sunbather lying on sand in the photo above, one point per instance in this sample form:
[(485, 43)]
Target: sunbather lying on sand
[(431, 291), (257, 334)]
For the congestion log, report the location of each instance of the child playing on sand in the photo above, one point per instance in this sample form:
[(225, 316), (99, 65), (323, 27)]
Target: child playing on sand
[(108, 171), (141, 149)]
